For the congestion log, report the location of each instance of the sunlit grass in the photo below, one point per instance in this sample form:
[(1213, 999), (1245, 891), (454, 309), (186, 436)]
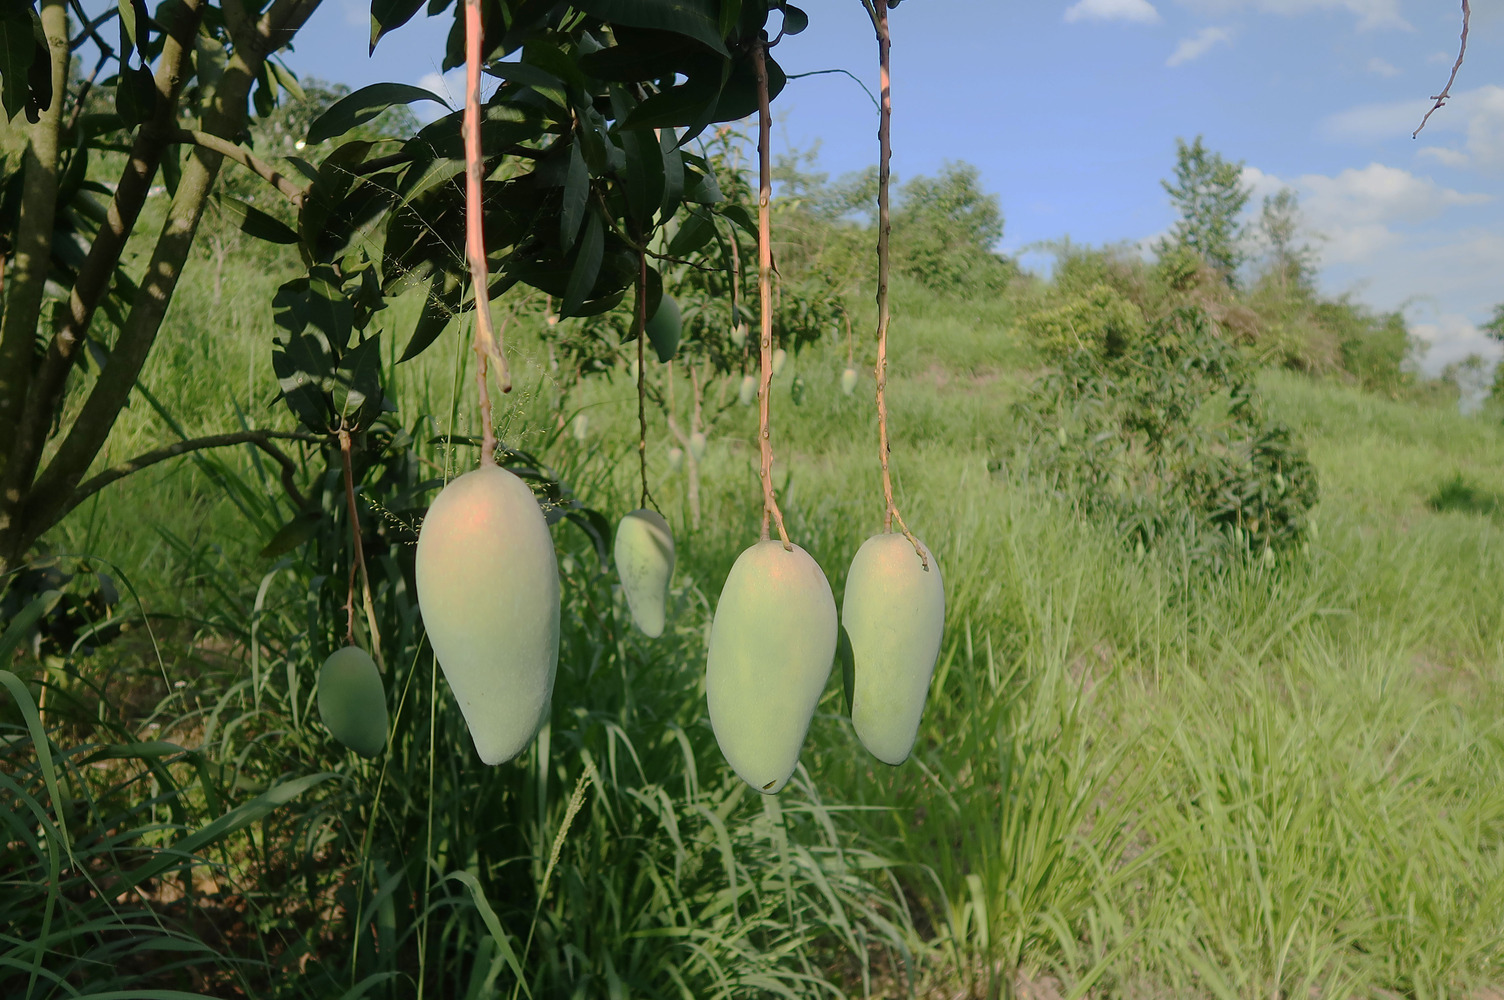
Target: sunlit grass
[(1135, 778)]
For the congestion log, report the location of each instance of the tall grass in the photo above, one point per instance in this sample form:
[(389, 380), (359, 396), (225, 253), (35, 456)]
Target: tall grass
[(1134, 778)]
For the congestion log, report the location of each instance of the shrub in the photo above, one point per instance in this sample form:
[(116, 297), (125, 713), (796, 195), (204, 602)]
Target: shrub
[(1162, 432)]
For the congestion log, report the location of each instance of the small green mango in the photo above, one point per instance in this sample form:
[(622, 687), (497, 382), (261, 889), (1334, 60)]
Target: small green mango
[(697, 446), (352, 701), (893, 613), (748, 391), (580, 427), (780, 357), (739, 335), (645, 562), (848, 380), (488, 589), (664, 328), (675, 459), (772, 644)]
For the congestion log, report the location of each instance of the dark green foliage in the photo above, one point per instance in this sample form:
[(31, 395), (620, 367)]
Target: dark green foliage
[(944, 230), (1157, 427)]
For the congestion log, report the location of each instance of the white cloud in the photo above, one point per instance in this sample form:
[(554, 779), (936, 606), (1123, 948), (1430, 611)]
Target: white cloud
[(1370, 122), (1450, 337), (1382, 67), (1370, 13), (1141, 11), (450, 86), (1197, 45), (1478, 114)]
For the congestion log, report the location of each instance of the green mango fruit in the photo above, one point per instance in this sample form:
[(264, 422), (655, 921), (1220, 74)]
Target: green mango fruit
[(488, 589), (748, 391), (645, 562), (697, 445), (352, 701), (664, 328), (893, 612), (848, 380), (772, 644), (780, 357), (739, 335), (581, 427), (675, 459)]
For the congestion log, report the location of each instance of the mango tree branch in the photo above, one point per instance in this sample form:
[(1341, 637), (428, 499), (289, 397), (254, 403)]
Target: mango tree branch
[(765, 291), (93, 281), (92, 426), (261, 439), (292, 191), (33, 256)]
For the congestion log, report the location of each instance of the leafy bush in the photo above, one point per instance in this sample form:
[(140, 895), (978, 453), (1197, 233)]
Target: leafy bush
[(1158, 428)]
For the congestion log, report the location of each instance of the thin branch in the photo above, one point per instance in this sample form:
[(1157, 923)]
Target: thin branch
[(90, 29), (230, 151), (770, 509), (261, 439), (843, 72), (884, 235), (487, 344), (95, 420), (1446, 92), (93, 280)]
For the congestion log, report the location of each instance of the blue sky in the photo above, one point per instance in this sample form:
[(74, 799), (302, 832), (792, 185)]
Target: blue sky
[(1071, 109)]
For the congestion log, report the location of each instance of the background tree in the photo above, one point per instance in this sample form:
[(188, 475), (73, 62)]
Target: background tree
[(945, 228), (1291, 262), (1209, 194)]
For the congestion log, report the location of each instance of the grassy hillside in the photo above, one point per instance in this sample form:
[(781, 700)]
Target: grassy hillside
[(1135, 777)]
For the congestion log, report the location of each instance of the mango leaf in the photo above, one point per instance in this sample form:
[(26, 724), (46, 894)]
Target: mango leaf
[(435, 316), (704, 100), (135, 95), (697, 19), (644, 180), (587, 266), (357, 384), (256, 223), (576, 193), (795, 20), (294, 533), (329, 308), (364, 105), (673, 174), (694, 232), (388, 15)]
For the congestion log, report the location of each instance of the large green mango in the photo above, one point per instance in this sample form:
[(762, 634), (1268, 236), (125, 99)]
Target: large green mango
[(488, 588), (848, 380), (893, 614), (772, 644), (664, 328), (645, 562), (352, 701)]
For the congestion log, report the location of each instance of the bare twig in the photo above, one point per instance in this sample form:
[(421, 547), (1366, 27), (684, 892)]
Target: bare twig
[(487, 344), (770, 509), (884, 234), (1446, 92)]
